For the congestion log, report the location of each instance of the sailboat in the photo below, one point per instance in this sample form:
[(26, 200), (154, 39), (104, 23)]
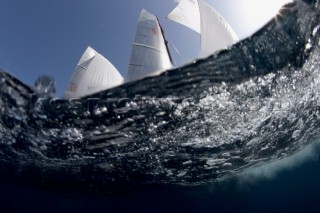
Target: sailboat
[(216, 33), (92, 74), (149, 50)]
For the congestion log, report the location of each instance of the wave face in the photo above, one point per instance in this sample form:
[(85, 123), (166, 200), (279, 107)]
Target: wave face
[(253, 103)]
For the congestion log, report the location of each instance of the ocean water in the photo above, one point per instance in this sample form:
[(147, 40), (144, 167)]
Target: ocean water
[(237, 131)]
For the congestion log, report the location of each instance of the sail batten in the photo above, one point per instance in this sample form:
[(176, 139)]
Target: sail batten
[(92, 74), (146, 46), (149, 52)]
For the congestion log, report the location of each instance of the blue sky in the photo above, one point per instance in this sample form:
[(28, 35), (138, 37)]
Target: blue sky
[(40, 37)]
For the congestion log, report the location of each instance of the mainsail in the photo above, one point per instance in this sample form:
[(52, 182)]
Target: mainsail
[(216, 33), (149, 50), (92, 74)]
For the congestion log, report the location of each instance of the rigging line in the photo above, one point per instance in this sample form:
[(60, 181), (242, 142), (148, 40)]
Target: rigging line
[(176, 49)]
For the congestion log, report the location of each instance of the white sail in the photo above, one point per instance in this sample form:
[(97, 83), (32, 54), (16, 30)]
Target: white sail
[(216, 33), (187, 14), (92, 74), (149, 51)]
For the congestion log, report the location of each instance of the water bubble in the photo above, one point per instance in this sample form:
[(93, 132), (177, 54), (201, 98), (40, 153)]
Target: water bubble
[(123, 102), (227, 165), (2, 80), (308, 46), (296, 134), (315, 30)]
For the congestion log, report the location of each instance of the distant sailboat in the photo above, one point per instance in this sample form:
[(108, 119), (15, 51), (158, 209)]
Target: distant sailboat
[(216, 33), (149, 50), (92, 74)]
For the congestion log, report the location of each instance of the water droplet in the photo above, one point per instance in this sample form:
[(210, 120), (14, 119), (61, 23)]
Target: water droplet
[(315, 30), (2, 80), (308, 46), (296, 134)]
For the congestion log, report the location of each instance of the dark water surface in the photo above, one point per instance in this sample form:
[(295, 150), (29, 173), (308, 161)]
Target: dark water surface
[(295, 190)]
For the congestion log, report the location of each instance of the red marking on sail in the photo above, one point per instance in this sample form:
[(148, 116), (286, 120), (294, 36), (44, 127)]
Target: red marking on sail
[(73, 88), (154, 31)]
